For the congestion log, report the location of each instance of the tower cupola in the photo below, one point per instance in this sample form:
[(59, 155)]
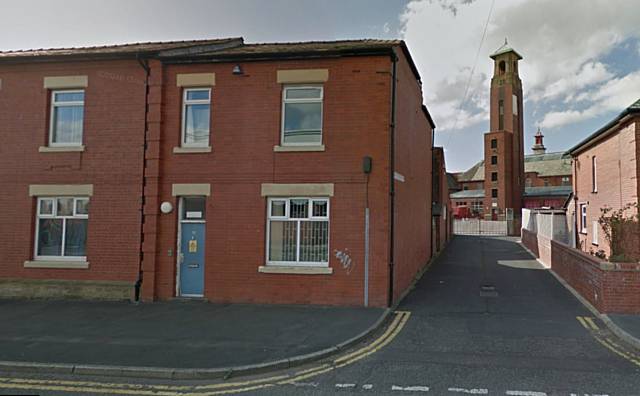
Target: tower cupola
[(538, 147)]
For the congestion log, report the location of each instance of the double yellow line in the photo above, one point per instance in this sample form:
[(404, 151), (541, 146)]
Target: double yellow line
[(588, 323), (397, 324)]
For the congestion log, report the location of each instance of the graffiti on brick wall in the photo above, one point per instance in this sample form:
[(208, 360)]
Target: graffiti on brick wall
[(345, 259)]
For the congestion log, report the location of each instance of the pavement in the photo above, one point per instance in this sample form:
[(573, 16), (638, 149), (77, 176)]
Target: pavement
[(485, 319), (629, 324), (175, 334)]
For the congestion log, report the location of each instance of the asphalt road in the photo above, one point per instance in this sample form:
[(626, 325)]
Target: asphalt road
[(485, 319), (523, 338)]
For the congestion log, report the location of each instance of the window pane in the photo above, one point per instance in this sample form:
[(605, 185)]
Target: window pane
[(319, 209), (314, 238), (302, 123), (82, 206), (299, 209), (46, 207), (67, 124), (50, 237), (197, 124), (278, 208), (75, 237), (193, 208), (65, 207), (282, 240), (69, 97), (198, 95), (304, 93)]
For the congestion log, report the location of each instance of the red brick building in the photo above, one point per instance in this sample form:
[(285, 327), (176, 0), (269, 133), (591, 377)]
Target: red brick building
[(506, 180), (605, 174), (441, 207), (266, 173)]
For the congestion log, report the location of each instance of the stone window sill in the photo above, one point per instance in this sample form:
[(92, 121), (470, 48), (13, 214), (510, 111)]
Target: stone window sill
[(191, 150), (299, 270), (289, 149), (56, 264), (60, 149)]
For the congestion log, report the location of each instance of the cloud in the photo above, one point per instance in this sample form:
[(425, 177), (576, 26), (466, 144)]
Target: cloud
[(564, 48), (614, 95)]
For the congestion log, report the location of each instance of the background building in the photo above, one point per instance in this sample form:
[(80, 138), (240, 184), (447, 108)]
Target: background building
[(506, 180)]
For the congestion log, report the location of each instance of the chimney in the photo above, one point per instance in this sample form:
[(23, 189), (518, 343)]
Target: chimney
[(538, 147)]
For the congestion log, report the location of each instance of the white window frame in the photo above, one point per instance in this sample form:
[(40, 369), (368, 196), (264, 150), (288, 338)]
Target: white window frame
[(594, 173), (52, 109), (187, 102), (305, 100), (594, 231), (583, 218), (53, 215), (310, 217)]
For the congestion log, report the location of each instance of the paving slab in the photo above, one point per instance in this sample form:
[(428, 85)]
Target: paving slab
[(190, 334)]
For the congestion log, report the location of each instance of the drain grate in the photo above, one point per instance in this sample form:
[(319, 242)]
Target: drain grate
[(488, 291)]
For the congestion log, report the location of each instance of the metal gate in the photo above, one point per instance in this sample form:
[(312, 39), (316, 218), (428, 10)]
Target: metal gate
[(480, 227)]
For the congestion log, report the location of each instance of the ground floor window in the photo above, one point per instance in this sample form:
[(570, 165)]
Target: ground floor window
[(61, 228), (298, 231)]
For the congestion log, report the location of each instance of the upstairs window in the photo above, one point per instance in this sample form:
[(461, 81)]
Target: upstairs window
[(494, 160), (501, 114), (302, 115), (594, 174), (583, 218), (61, 228), (494, 176), (67, 118), (196, 116), (494, 193), (494, 143)]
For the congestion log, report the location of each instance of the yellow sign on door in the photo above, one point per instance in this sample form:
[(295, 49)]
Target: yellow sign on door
[(193, 246)]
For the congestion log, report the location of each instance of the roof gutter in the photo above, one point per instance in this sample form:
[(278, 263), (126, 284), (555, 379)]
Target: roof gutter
[(604, 131)]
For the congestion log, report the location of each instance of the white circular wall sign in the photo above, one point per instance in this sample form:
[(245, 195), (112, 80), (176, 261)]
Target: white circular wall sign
[(166, 207)]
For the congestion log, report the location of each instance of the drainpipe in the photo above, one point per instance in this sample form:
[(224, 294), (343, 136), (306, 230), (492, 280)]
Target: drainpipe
[(392, 127), (576, 208), (144, 63)]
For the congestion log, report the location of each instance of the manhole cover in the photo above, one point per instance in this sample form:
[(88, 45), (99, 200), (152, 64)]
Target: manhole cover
[(488, 291)]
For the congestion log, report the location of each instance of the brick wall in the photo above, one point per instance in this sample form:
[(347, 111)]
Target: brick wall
[(617, 180), (413, 196), (610, 287), (245, 127), (112, 161)]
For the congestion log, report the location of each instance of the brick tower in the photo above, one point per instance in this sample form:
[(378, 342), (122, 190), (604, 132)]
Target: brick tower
[(504, 143)]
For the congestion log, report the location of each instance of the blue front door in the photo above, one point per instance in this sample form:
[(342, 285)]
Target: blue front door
[(192, 259)]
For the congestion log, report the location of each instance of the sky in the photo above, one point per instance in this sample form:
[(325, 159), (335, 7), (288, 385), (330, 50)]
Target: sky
[(581, 63)]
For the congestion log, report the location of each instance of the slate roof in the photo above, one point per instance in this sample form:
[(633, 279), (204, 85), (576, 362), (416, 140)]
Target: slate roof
[(467, 194), (226, 48), (548, 191), (475, 173), (117, 49), (503, 50), (549, 164), (634, 108)]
